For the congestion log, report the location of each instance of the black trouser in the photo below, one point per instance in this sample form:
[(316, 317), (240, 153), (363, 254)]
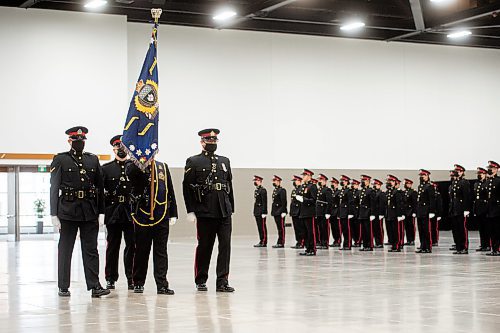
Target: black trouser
[(310, 224), (378, 231), (460, 232), (207, 230), (346, 232), (280, 226), (424, 233), (410, 228), (401, 234), (114, 240), (367, 232), (262, 228), (494, 223), (324, 230), (394, 233), (484, 231), (88, 241), (435, 230), (336, 230), (157, 236), (299, 229), (356, 231)]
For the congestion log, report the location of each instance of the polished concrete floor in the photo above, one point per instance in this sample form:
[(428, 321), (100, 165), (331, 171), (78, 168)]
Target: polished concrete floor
[(276, 290)]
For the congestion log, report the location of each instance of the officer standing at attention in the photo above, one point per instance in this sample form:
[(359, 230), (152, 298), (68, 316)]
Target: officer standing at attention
[(307, 199), (409, 211), (426, 210), (493, 215), (209, 199), (439, 214), (298, 227), (366, 212), (480, 209), (117, 217), (355, 223), (260, 210), (346, 206), (379, 211), (334, 218), (459, 210), (324, 203), (279, 210), (77, 204), (394, 213)]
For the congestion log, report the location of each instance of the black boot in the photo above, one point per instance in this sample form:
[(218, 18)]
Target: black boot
[(165, 291), (201, 287), (64, 292), (225, 289), (99, 291), (110, 284)]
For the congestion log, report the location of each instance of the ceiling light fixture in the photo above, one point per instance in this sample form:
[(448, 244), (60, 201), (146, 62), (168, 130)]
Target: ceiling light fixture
[(224, 15), (352, 26), (441, 1), (459, 34), (95, 4)]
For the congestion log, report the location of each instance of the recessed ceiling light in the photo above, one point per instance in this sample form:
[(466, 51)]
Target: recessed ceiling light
[(352, 26), (224, 15), (459, 34), (441, 1), (95, 4)]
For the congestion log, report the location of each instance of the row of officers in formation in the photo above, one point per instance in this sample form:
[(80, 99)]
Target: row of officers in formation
[(353, 211), (139, 205)]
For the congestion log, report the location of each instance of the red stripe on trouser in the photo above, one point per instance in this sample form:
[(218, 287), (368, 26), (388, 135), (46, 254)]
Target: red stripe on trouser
[(382, 234), (466, 234), (283, 230), (371, 234), (430, 234), (437, 230), (340, 230), (327, 232), (398, 240), (402, 238), (264, 241), (314, 234), (349, 232)]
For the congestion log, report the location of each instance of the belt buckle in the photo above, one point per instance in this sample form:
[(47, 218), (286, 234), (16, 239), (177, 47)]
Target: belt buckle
[(121, 198), (218, 186), (80, 194)]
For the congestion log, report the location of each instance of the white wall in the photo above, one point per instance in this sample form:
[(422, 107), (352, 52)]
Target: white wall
[(281, 101)]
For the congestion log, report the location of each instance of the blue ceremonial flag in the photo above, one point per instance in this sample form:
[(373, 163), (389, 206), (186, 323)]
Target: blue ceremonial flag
[(140, 134)]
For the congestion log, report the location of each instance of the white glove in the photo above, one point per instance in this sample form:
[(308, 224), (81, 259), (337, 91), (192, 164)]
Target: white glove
[(466, 213), (191, 217), (327, 216), (283, 215), (372, 217), (264, 216), (439, 218), (350, 216), (101, 219), (400, 218), (431, 215), (172, 221), (299, 198), (414, 215), (380, 217), (56, 223)]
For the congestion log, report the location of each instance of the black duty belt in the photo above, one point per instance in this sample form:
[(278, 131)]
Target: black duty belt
[(70, 193), (218, 187), (118, 198)]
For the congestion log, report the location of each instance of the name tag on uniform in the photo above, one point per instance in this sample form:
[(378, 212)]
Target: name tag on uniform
[(224, 167)]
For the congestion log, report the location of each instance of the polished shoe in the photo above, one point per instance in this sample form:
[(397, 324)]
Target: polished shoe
[(303, 253), (201, 287), (435, 244), (64, 292), (278, 246), (461, 252), (410, 243), (138, 289), (165, 291), (260, 245), (479, 249), (345, 249), (225, 289), (335, 245), (493, 254), (110, 284), (368, 249), (297, 246), (130, 285), (453, 247), (379, 246), (362, 249), (427, 251), (99, 291), (309, 254), (322, 247), (394, 250), (387, 243), (356, 245)]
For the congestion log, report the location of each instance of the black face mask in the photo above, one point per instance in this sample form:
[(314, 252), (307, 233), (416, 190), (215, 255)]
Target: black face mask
[(211, 147), (363, 185), (421, 179), (275, 185), (255, 183), (490, 172), (121, 153), (388, 186), (78, 145), (479, 177)]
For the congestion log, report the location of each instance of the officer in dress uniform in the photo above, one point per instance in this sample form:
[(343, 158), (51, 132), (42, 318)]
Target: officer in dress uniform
[(394, 213), (426, 210), (209, 199), (439, 214), (152, 230), (379, 211), (260, 210), (334, 218), (367, 212), (459, 210), (117, 217), (298, 227), (307, 199), (77, 204), (324, 203), (346, 207), (279, 210), (480, 209), (410, 211), (355, 223), (493, 215), (401, 223)]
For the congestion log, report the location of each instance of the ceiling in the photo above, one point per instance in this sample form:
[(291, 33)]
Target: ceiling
[(417, 21)]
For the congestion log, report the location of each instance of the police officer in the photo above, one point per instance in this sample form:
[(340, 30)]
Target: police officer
[(379, 211), (367, 212), (346, 207), (152, 230), (355, 223), (279, 210), (260, 210), (394, 213), (439, 214), (324, 203), (117, 217), (77, 204), (459, 210), (493, 215), (209, 199), (409, 211), (426, 210), (334, 218), (307, 199), (298, 227), (480, 209)]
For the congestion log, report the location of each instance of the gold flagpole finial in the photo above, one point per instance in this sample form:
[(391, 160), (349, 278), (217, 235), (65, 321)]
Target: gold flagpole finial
[(156, 13)]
